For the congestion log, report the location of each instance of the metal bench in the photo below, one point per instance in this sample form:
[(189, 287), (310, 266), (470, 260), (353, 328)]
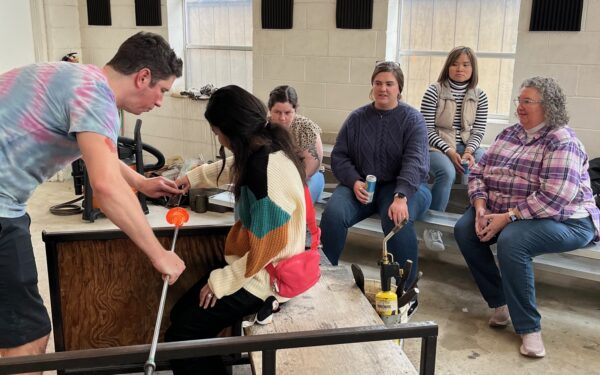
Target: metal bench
[(582, 263)]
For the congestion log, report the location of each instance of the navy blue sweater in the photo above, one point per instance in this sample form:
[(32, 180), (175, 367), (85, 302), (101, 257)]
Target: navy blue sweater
[(392, 145)]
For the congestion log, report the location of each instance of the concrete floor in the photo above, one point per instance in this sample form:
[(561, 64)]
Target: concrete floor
[(466, 345)]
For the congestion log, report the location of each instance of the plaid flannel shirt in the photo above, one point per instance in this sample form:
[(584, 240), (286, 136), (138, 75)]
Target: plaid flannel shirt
[(545, 176)]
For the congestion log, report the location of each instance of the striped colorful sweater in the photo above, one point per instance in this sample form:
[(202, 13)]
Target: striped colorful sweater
[(271, 224)]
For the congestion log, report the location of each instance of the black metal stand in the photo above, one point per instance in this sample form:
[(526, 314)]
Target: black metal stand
[(139, 160), (89, 212)]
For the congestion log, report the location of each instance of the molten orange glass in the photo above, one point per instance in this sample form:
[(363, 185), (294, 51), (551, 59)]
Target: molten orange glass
[(177, 216)]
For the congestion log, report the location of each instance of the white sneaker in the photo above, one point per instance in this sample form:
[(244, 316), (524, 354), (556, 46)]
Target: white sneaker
[(433, 240), (533, 346), (500, 317)]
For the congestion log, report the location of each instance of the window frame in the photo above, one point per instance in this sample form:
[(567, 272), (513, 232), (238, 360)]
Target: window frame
[(188, 47), (400, 53)]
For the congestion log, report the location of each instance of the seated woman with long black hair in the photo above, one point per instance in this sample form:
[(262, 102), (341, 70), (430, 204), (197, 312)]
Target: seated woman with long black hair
[(270, 196)]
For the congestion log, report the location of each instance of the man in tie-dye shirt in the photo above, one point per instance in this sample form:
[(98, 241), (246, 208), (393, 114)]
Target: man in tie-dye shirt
[(50, 115)]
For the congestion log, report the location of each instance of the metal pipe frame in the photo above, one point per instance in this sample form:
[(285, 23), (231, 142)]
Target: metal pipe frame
[(268, 344)]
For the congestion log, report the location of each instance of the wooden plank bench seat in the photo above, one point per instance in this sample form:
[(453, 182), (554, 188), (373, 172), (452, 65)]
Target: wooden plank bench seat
[(334, 302), (582, 263)]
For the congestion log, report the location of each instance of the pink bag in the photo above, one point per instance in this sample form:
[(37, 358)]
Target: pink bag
[(296, 274)]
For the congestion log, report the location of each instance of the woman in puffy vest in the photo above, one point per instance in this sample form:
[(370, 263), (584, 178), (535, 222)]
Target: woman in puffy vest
[(455, 111)]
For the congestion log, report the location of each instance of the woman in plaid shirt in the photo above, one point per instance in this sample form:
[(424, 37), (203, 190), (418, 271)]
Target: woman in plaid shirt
[(531, 195)]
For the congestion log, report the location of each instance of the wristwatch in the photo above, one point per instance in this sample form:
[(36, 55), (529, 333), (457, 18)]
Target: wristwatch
[(512, 216), (400, 195)]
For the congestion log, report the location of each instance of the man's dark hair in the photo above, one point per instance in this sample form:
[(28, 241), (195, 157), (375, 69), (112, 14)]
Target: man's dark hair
[(147, 50)]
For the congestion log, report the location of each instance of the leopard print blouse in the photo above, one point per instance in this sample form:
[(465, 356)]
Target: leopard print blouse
[(305, 133)]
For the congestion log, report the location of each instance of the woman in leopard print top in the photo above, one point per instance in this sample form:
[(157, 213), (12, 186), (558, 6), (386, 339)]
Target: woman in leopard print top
[(283, 103)]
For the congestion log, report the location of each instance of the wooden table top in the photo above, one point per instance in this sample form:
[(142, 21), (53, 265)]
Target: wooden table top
[(334, 302)]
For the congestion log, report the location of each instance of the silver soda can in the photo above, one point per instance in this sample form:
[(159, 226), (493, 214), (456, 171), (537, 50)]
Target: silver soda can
[(465, 177), (371, 180)]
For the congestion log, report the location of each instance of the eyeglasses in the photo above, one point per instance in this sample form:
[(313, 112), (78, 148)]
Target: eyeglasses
[(526, 102)]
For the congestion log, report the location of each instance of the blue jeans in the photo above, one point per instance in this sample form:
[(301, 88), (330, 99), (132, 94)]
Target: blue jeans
[(443, 172), (513, 284), (343, 210), (316, 184)]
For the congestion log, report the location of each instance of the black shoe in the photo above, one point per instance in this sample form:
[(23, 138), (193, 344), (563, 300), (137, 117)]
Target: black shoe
[(265, 314)]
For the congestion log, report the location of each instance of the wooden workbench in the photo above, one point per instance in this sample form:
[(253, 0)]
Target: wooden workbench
[(334, 302), (105, 293), (104, 290)]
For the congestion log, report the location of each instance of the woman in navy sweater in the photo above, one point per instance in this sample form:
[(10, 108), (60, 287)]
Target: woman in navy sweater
[(388, 139)]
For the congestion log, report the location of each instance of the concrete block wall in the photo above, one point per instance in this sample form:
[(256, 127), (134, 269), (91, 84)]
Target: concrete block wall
[(61, 36), (573, 58), (177, 128), (99, 43), (62, 28), (17, 34), (329, 67)]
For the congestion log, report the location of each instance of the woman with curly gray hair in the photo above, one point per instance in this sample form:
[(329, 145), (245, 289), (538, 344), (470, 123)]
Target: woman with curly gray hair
[(531, 195)]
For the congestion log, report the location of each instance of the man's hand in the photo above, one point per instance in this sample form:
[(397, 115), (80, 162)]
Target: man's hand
[(169, 264), (360, 191), (159, 187)]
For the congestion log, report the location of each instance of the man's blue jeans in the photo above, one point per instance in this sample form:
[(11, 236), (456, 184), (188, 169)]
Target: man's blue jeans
[(520, 241), (443, 172), (343, 210)]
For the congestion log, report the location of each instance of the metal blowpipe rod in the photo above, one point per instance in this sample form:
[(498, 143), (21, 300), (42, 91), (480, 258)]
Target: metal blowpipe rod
[(150, 366), (384, 256)]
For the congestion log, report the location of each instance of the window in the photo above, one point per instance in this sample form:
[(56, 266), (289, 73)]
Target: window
[(218, 43), (429, 29)]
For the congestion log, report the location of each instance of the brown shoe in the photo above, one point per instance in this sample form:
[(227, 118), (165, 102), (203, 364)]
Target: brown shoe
[(500, 317), (532, 345)]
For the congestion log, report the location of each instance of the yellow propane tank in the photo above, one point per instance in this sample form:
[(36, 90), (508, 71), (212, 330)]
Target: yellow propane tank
[(386, 303)]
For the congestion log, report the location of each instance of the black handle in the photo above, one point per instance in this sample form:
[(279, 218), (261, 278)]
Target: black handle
[(405, 275), (359, 277), (415, 281), (407, 297)]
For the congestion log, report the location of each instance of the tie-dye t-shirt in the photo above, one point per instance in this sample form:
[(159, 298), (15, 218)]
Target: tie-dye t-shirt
[(42, 107)]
